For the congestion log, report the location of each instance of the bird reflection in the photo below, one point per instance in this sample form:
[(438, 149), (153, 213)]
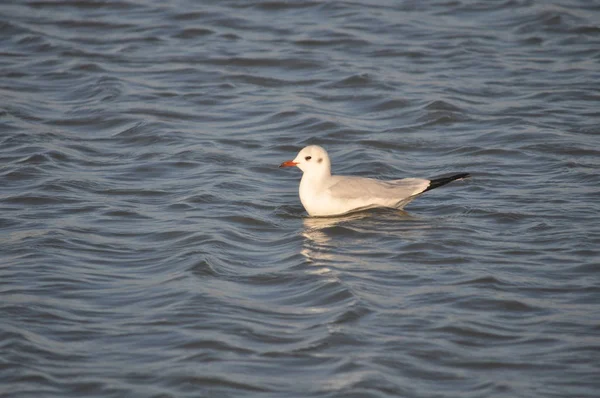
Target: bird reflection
[(323, 235), (314, 226)]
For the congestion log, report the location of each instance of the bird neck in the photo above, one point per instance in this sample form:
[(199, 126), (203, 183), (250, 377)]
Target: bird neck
[(315, 179)]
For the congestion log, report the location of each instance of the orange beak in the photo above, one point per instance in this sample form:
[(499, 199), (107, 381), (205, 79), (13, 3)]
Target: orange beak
[(289, 163)]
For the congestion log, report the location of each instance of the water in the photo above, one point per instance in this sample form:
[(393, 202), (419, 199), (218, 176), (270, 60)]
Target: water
[(151, 247)]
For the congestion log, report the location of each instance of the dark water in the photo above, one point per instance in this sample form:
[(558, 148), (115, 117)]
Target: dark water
[(150, 246)]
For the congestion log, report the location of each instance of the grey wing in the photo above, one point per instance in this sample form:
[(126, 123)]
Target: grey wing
[(357, 187)]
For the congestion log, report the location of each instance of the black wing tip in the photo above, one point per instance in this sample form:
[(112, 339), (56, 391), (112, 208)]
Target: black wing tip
[(438, 182)]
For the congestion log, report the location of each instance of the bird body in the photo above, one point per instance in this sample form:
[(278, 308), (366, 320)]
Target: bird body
[(323, 194)]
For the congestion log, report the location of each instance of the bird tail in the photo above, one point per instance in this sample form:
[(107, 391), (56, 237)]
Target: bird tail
[(438, 182)]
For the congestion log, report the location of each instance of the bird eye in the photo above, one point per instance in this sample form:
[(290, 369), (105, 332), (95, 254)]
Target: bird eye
[(308, 158)]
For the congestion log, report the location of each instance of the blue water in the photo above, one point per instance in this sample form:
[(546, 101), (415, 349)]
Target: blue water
[(150, 246)]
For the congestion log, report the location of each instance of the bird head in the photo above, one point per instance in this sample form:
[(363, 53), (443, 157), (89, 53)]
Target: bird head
[(312, 160)]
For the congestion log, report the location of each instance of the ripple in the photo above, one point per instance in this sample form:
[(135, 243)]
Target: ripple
[(193, 33)]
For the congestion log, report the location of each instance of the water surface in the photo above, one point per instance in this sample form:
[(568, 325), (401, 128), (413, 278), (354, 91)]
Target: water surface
[(151, 247)]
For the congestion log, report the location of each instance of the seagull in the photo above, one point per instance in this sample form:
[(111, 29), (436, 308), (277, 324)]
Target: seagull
[(326, 195)]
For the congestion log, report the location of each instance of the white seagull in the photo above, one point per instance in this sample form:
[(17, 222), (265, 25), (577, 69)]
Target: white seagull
[(323, 194)]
